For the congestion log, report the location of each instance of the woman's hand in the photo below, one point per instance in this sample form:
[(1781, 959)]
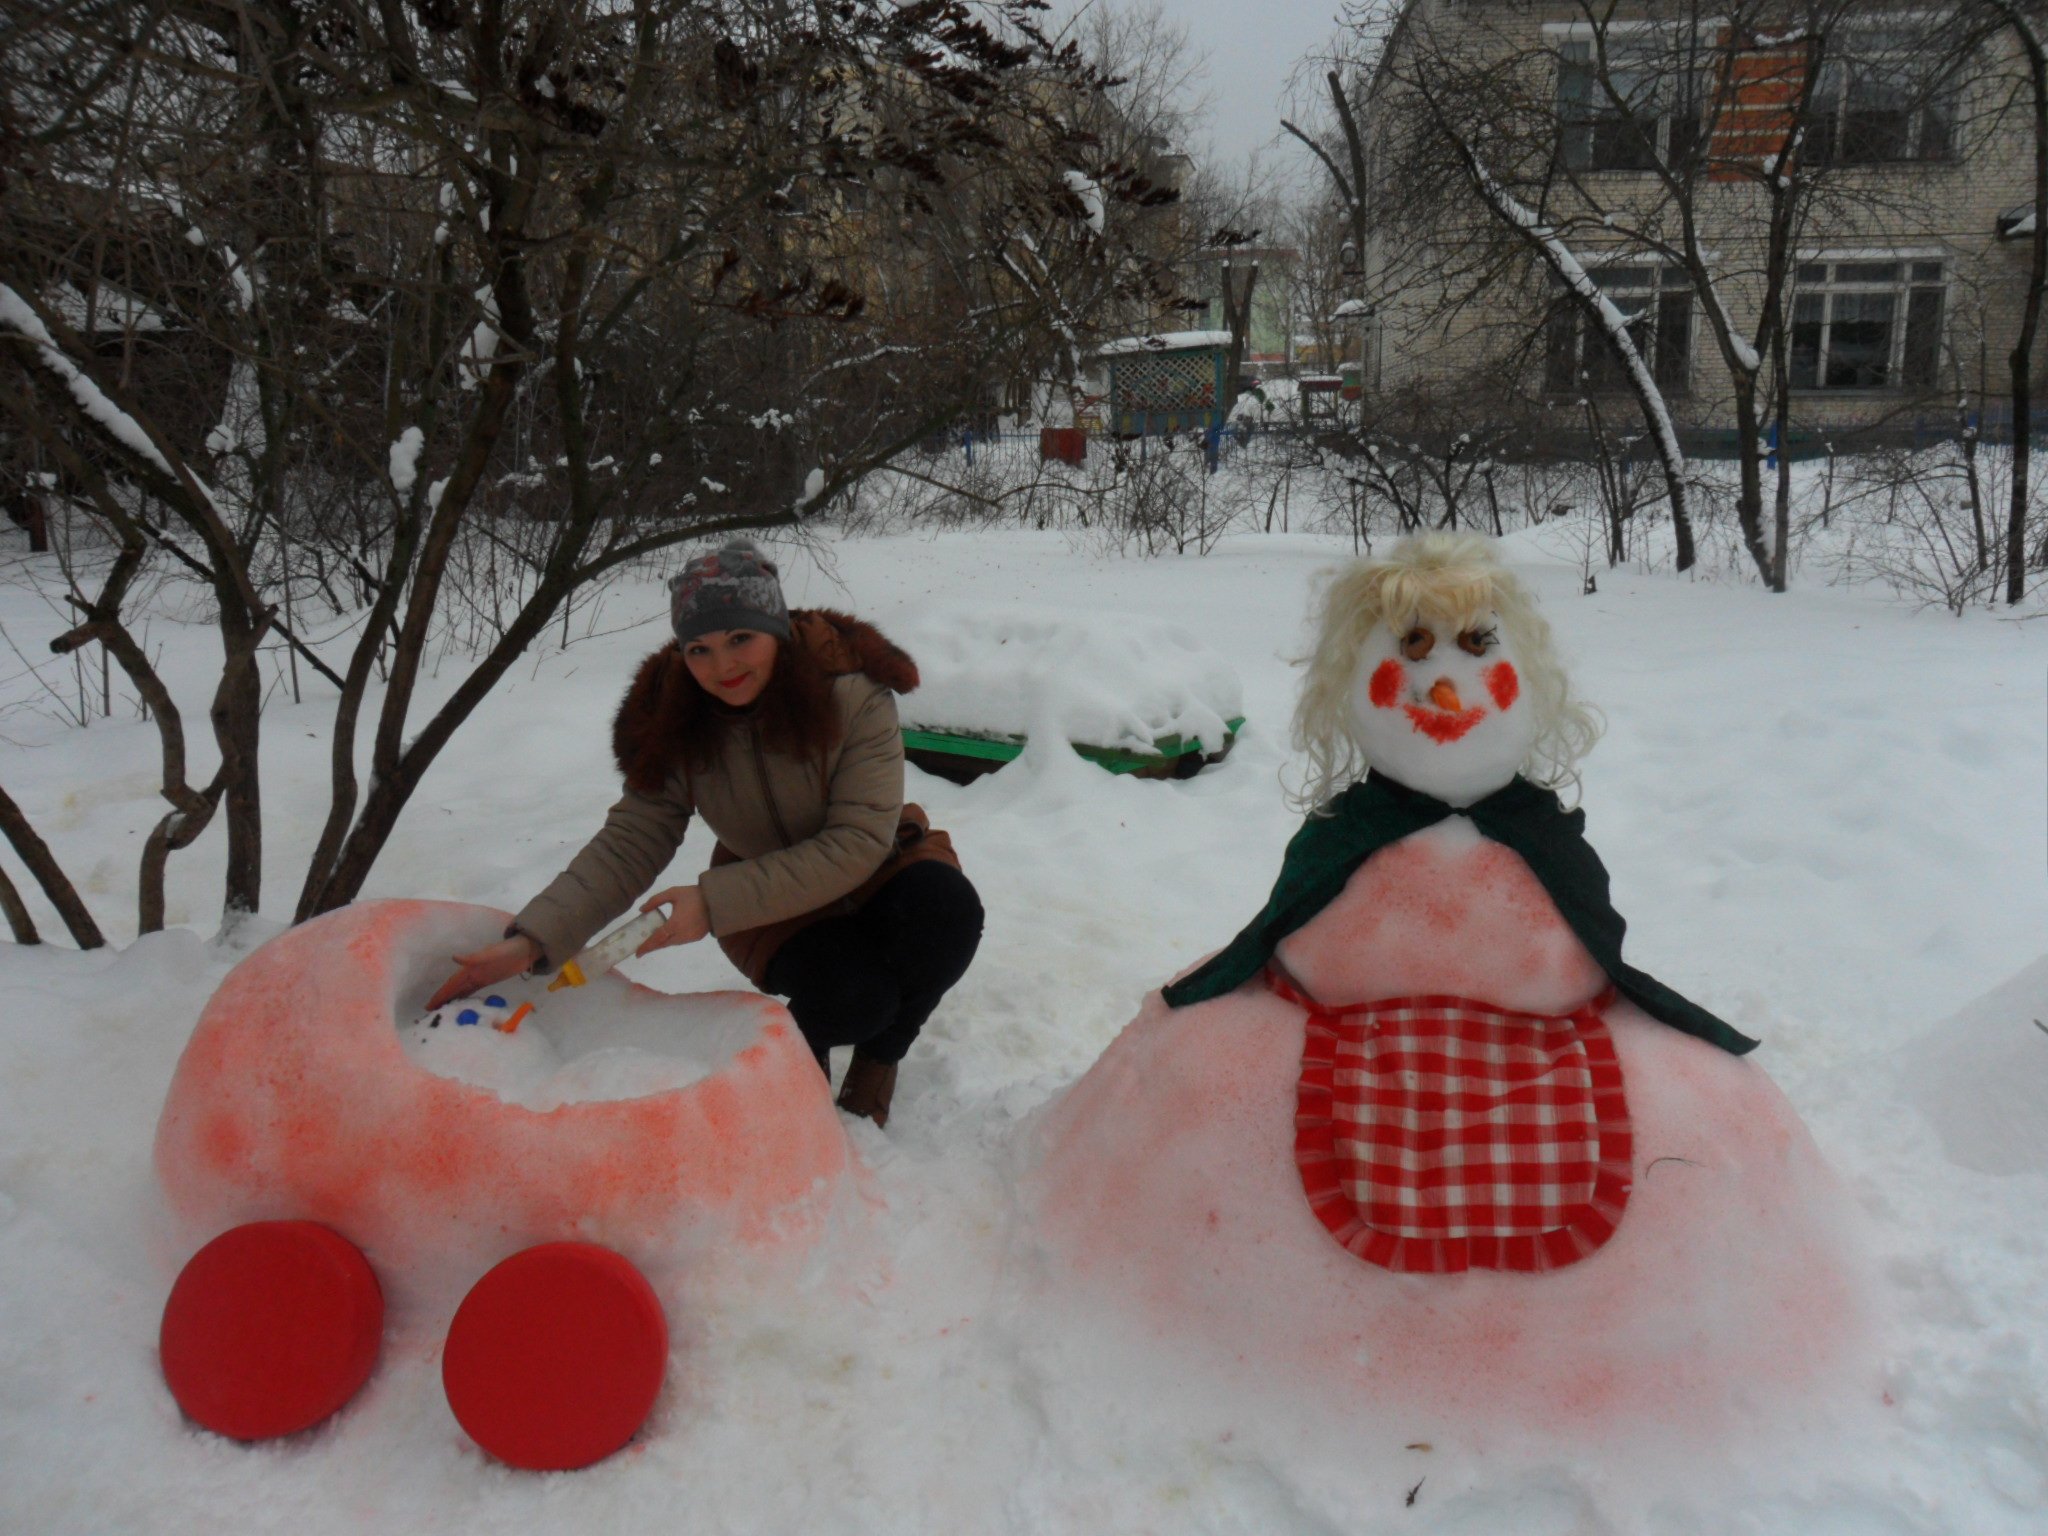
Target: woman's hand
[(688, 918), (481, 967)]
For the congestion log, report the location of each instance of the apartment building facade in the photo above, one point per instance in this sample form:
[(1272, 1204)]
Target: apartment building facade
[(1862, 164)]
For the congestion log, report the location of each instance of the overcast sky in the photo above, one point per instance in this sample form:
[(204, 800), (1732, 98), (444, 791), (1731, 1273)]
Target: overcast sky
[(1250, 47)]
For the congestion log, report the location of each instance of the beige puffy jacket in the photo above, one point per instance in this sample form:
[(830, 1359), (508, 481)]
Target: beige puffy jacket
[(803, 835)]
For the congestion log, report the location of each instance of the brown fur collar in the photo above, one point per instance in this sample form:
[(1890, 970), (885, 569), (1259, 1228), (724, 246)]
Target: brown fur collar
[(643, 732)]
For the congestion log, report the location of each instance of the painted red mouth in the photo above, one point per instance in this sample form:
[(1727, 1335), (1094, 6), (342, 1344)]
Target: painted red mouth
[(731, 682), (1443, 725)]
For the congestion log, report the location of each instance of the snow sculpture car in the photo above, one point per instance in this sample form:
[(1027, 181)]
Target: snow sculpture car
[(678, 1133)]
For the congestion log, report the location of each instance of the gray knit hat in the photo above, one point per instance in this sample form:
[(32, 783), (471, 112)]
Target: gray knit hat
[(733, 588)]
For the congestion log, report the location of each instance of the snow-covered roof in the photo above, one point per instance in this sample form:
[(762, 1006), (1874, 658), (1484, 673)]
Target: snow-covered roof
[(1351, 309), (2016, 222), (114, 309), (1165, 341)]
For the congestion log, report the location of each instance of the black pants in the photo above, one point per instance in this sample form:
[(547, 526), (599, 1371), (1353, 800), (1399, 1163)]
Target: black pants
[(871, 978)]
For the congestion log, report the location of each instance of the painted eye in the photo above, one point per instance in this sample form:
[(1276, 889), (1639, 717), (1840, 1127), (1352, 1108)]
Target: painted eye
[(1477, 642), (1417, 643)]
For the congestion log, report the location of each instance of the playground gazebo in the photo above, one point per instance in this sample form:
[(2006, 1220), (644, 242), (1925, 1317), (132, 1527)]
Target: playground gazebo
[(1169, 383)]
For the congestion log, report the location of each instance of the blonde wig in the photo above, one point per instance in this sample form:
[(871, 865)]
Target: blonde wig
[(1449, 581)]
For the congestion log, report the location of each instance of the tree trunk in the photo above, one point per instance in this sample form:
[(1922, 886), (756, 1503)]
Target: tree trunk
[(341, 859), (1237, 319), (1781, 505), (1749, 498), (36, 519), (35, 853), (1973, 485), (2022, 362), (237, 716), (18, 920), (391, 790)]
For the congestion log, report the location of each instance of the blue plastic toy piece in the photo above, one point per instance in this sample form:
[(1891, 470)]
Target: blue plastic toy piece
[(495, 1002), (467, 1016)]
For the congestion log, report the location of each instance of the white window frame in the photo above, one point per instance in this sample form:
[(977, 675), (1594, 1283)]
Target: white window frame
[(1865, 42), (1666, 280), (1908, 279), (1579, 43)]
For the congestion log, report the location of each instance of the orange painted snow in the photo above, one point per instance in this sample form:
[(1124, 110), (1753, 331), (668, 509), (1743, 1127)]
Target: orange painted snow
[(296, 1098)]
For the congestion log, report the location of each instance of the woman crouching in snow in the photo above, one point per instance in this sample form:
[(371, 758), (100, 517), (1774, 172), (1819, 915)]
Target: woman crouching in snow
[(780, 730)]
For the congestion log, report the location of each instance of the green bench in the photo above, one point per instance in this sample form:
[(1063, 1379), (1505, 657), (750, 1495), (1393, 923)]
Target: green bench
[(965, 756)]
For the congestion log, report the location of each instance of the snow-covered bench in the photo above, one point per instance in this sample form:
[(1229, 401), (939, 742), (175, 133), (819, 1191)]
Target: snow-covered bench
[(1132, 695)]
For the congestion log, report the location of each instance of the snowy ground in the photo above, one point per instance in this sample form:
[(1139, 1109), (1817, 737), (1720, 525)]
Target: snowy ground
[(1827, 819)]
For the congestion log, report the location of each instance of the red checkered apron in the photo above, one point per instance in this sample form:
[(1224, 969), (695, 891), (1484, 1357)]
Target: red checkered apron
[(1436, 1134)]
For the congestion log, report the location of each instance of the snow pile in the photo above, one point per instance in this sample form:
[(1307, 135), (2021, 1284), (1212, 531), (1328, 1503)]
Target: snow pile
[(1981, 1078), (912, 1379), (1100, 680), (107, 308), (1254, 405), (1269, 400)]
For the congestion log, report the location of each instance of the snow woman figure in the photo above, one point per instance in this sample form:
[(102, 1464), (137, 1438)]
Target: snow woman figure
[(1443, 919), (1419, 1139)]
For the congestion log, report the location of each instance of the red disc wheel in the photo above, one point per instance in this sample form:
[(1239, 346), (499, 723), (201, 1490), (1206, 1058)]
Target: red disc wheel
[(270, 1328), (555, 1357)]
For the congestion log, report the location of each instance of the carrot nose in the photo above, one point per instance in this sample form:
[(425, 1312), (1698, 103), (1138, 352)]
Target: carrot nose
[(1444, 695)]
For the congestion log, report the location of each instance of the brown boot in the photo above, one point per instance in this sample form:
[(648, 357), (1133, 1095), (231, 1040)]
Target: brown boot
[(868, 1088)]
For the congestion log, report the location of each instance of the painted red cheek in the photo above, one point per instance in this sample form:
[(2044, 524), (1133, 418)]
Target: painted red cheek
[(1502, 683), (1389, 682)]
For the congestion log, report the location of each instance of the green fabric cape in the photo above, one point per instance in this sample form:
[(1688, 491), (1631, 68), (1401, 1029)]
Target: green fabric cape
[(1526, 818)]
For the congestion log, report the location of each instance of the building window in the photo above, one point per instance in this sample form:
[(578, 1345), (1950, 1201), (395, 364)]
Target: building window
[(1646, 114), (1866, 325), (1875, 103), (1579, 358)]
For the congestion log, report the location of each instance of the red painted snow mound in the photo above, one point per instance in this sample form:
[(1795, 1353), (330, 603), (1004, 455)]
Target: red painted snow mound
[(296, 1099), (1166, 1187), (1168, 1177)]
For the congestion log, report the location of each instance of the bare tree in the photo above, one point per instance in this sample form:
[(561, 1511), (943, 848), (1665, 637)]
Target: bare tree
[(389, 276), (1693, 151), (2026, 22), (56, 885), (1323, 276)]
